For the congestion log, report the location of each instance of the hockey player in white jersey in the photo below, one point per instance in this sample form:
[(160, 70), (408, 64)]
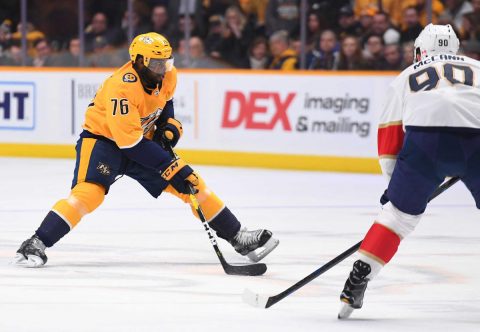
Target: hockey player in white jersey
[(429, 130)]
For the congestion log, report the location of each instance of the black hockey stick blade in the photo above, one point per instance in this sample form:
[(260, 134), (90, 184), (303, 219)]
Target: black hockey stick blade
[(264, 301), (241, 270), (256, 269)]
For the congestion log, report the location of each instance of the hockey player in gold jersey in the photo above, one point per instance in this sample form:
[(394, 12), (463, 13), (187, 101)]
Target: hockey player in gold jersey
[(127, 128)]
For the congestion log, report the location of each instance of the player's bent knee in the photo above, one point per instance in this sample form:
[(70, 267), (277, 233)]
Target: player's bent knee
[(86, 197), (399, 222), (211, 204)]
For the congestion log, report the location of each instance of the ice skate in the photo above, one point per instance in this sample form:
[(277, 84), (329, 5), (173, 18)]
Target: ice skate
[(31, 253), (354, 289), (255, 244)]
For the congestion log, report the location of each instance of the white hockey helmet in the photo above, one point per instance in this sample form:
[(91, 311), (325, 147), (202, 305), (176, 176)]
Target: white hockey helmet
[(435, 39)]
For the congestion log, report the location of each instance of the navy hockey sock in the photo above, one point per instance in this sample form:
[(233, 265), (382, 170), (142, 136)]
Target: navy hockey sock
[(225, 224), (52, 229)]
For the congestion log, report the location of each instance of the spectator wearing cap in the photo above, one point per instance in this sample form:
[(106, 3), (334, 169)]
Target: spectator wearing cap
[(216, 25), (33, 35), (381, 26), (351, 57), (412, 26), (347, 23), (326, 56), (283, 15), (283, 57), (366, 20), (328, 9), (258, 53)]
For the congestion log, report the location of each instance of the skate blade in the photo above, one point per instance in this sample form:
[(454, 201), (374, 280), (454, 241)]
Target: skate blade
[(19, 259), (30, 261), (345, 311), (258, 254), (34, 261)]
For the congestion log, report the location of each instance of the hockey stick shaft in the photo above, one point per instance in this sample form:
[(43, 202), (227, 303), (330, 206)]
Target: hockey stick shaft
[(250, 270), (347, 253), (200, 214), (207, 228)]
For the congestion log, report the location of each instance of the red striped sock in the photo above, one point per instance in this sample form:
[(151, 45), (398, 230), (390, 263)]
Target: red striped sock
[(381, 243)]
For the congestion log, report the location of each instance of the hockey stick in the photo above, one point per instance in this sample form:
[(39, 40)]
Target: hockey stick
[(263, 301), (243, 270)]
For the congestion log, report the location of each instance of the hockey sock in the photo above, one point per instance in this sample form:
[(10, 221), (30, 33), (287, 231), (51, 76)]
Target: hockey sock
[(225, 224), (52, 229), (378, 247)]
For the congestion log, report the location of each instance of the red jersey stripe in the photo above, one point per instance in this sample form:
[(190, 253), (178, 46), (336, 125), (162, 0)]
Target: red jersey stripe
[(390, 139)]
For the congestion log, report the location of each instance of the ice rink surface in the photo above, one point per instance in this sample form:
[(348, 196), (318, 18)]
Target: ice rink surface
[(140, 264)]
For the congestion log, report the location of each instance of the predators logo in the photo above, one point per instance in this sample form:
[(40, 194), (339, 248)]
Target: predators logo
[(104, 169), (147, 40), (129, 78)]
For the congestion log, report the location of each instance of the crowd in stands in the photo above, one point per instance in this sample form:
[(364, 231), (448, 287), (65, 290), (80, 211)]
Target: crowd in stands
[(256, 34)]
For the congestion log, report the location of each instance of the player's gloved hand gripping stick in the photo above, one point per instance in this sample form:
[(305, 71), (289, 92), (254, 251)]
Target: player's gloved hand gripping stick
[(263, 301), (169, 133), (245, 270)]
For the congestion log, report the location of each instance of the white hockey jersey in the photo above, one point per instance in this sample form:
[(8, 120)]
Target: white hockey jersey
[(440, 91)]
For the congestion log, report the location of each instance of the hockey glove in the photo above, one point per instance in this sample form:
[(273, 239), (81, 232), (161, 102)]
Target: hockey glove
[(169, 133), (180, 176)]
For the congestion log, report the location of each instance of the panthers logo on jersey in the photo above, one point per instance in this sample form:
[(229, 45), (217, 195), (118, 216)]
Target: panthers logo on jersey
[(129, 78)]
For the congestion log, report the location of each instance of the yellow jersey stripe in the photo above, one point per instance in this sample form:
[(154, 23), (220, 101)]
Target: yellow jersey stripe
[(85, 154)]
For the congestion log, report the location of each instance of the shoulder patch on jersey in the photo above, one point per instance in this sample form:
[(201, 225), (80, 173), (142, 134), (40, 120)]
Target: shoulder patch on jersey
[(129, 78)]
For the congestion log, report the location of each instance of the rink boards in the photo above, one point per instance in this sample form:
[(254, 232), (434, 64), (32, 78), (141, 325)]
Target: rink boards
[(300, 120)]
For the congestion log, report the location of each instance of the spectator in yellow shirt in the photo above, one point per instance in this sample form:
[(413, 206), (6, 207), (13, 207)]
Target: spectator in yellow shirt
[(284, 58)]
